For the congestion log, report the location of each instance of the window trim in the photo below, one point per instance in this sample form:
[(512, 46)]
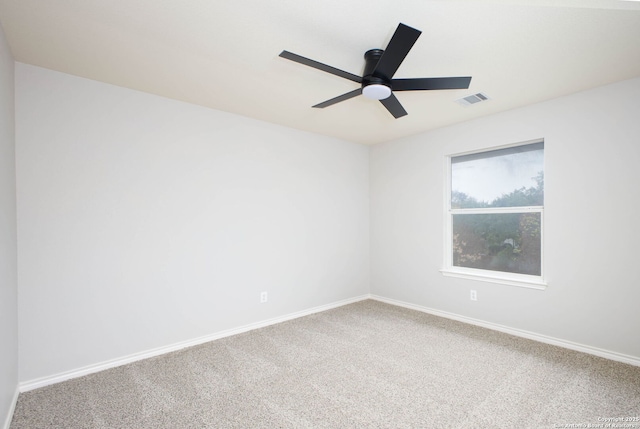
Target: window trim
[(499, 277)]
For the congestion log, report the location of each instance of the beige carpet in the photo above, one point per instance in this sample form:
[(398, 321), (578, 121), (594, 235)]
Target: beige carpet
[(365, 365)]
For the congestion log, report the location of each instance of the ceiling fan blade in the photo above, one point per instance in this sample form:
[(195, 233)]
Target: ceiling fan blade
[(393, 106), (430, 83), (316, 65), (397, 49), (339, 98)]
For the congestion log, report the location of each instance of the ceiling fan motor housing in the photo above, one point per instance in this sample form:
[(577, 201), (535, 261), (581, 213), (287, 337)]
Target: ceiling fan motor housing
[(376, 87)]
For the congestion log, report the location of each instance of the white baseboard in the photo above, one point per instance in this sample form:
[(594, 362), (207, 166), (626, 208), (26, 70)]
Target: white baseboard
[(12, 409), (619, 357), (90, 369)]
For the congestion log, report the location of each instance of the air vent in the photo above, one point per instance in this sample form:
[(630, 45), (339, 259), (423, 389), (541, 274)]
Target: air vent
[(472, 99)]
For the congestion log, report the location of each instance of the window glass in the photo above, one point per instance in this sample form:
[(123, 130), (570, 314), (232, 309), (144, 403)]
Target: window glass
[(510, 177), (508, 242)]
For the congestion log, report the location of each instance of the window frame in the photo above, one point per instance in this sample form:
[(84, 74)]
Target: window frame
[(499, 277)]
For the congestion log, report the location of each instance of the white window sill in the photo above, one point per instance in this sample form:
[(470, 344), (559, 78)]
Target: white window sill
[(530, 282)]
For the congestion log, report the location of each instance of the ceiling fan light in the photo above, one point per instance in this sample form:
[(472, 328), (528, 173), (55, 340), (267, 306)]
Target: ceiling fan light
[(376, 91)]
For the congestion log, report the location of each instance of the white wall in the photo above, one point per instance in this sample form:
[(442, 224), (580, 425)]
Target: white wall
[(8, 267), (592, 232), (144, 221)]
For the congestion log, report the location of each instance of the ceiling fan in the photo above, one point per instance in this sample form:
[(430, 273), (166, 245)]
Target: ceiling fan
[(377, 79)]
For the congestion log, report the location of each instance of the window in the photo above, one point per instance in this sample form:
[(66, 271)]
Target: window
[(495, 215)]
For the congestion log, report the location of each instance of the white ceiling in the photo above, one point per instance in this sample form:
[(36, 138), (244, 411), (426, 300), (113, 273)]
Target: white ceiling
[(224, 54)]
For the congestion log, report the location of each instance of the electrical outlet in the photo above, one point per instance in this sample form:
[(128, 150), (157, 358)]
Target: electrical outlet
[(263, 297), (474, 295)]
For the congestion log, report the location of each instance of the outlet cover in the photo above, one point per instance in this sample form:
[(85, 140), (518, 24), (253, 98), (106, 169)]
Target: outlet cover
[(473, 295)]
